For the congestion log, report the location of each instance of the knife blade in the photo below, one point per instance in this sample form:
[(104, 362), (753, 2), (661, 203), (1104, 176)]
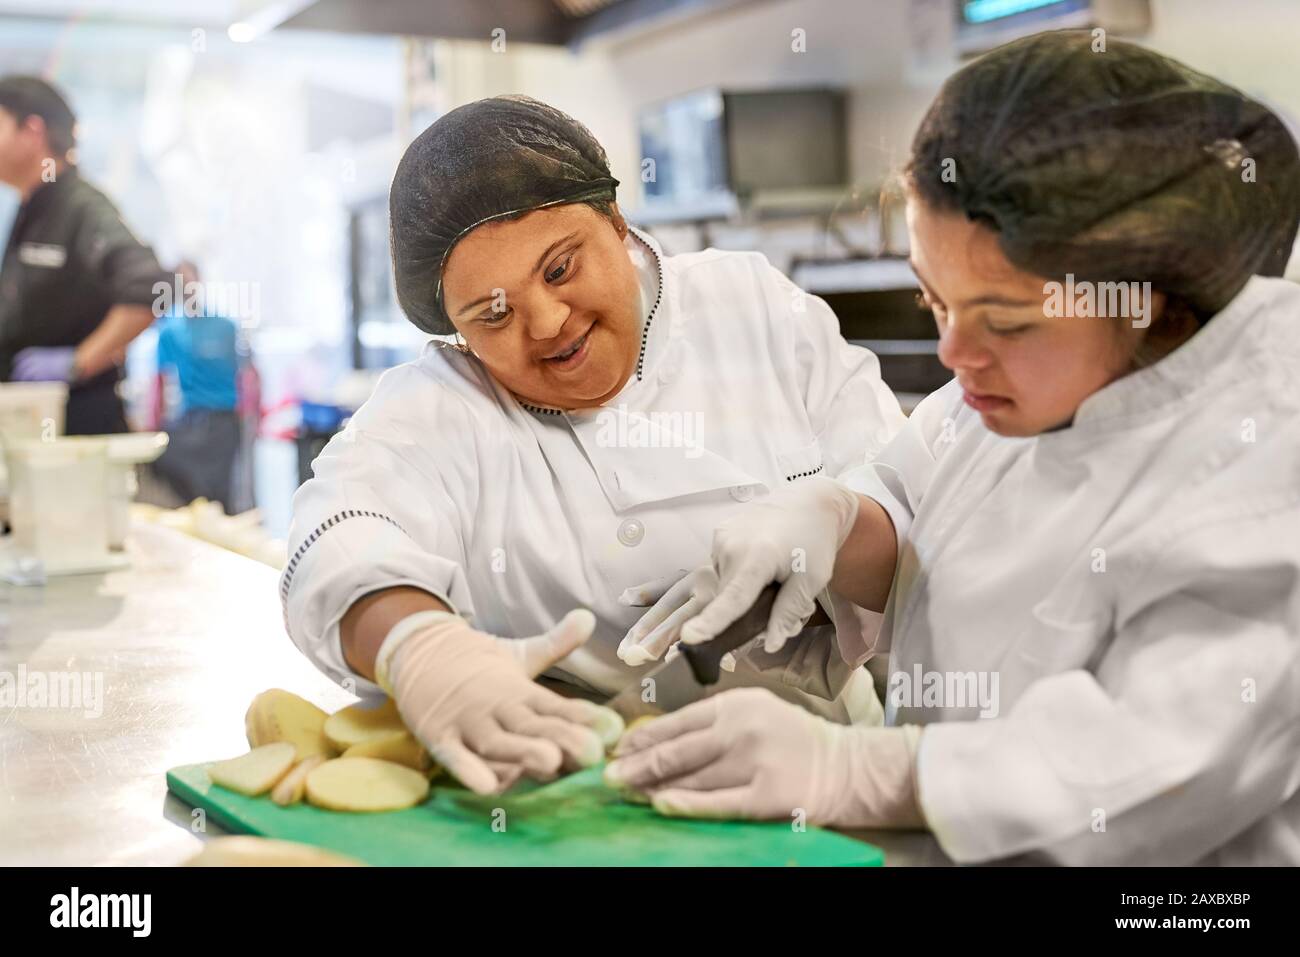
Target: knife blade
[(675, 684)]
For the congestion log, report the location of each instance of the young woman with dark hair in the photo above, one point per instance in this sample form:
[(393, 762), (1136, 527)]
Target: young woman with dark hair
[(1092, 534)]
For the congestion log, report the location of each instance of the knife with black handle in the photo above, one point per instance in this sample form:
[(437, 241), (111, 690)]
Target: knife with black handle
[(674, 684)]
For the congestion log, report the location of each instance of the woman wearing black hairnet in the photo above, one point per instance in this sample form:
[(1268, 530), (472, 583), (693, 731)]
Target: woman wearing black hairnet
[(604, 406), (1094, 624)]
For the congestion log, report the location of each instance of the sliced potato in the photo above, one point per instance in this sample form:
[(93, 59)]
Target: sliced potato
[(627, 794), (355, 724), (294, 784), (365, 784), (632, 726), (255, 772), (612, 746), (400, 747), (264, 852), (279, 715)]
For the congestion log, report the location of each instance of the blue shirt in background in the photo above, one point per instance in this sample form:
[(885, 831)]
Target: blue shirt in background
[(202, 351)]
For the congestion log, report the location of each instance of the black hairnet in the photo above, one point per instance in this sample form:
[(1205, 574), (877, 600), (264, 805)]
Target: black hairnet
[(491, 159), (1120, 165)]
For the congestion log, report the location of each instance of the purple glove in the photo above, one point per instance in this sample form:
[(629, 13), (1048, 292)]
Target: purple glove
[(44, 364)]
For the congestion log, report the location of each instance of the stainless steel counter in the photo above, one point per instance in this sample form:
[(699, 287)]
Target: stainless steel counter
[(183, 640), (178, 643)]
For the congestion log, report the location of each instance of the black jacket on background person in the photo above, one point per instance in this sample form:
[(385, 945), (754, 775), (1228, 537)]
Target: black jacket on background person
[(69, 260)]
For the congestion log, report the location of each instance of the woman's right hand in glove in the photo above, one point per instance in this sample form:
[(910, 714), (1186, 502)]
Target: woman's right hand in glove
[(470, 698)]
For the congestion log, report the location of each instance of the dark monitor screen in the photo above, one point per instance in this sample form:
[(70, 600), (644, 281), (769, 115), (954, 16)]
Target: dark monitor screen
[(785, 139), (701, 151)]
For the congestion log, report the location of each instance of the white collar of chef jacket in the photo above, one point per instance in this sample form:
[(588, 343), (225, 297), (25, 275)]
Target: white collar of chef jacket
[(654, 282)]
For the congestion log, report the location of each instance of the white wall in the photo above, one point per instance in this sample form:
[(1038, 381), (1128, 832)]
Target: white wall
[(847, 42), (854, 44), (584, 86), (863, 45), (1252, 44)]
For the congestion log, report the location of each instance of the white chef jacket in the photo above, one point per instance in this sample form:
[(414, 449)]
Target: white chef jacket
[(513, 514), (1133, 581)]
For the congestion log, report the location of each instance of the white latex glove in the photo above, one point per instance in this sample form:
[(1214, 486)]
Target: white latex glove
[(793, 538), (675, 599), (747, 754), (470, 699)]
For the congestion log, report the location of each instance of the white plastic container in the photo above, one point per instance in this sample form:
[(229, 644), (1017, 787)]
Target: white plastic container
[(125, 452), (32, 410), (28, 410), (58, 503)]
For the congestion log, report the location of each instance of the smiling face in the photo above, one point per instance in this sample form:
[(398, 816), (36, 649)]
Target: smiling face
[(549, 303), (1023, 367)]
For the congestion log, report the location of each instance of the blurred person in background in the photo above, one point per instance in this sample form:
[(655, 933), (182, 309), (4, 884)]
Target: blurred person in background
[(199, 351), (75, 285)]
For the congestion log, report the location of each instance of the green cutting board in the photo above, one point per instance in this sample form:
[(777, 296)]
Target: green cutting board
[(575, 821)]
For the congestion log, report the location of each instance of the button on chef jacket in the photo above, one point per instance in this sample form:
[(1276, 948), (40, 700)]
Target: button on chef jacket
[(70, 259), (1133, 581), (513, 514)]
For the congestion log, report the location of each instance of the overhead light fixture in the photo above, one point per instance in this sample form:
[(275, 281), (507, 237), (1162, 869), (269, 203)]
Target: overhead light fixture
[(265, 19), (582, 8)]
